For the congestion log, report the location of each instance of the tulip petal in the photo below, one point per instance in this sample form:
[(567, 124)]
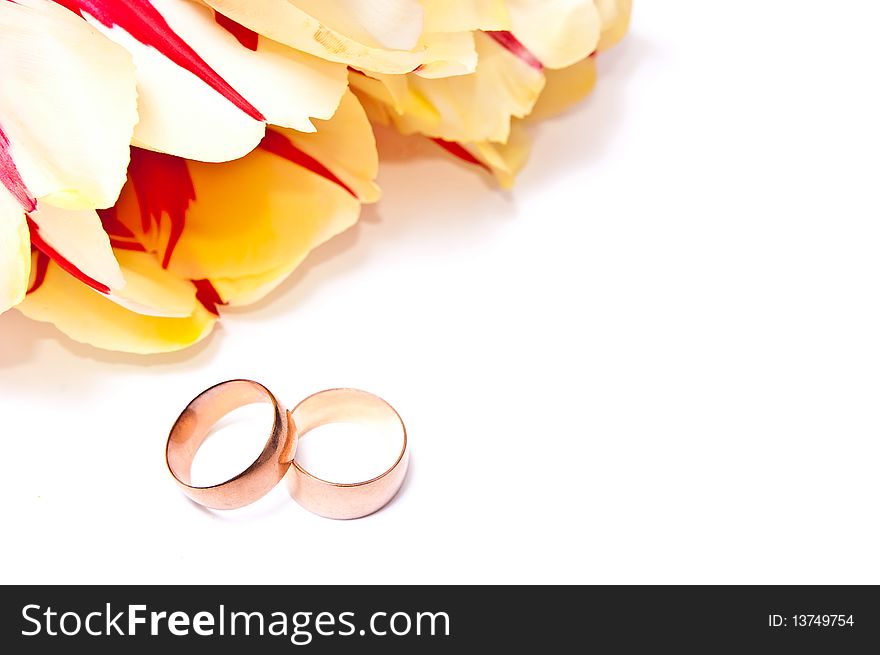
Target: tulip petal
[(67, 105), (506, 160), (565, 87), (253, 217), (242, 291), (615, 16), (96, 320), (11, 178), (289, 210), (466, 108), (503, 160), (465, 15), (205, 93), (76, 240), (15, 252), (245, 225), (143, 21), (463, 153), (151, 290), (392, 24), (310, 211), (179, 112), (393, 91), (448, 54), (376, 36), (346, 146), (557, 32), (288, 87), (513, 45)]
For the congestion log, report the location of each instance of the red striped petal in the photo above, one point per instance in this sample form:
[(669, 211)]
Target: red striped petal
[(246, 37), (39, 271), (208, 296), (280, 145), (11, 178), (163, 186), (509, 41), (40, 244), (461, 152), (120, 236), (143, 21)]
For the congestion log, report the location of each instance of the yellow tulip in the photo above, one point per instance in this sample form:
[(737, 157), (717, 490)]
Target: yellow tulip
[(536, 59), (160, 159), (191, 236)]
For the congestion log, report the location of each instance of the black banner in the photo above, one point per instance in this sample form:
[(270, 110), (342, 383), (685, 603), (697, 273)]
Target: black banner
[(439, 619)]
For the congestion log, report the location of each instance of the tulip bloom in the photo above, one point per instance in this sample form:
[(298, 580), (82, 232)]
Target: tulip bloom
[(160, 159), (191, 237), (535, 58)]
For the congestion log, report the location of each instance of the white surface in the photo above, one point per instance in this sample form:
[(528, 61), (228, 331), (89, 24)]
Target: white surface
[(658, 360)]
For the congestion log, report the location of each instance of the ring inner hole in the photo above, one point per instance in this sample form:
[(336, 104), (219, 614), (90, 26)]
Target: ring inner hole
[(348, 453), (232, 444)]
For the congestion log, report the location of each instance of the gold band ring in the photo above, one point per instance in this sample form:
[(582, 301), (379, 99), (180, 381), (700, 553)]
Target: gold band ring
[(337, 500), (330, 499), (193, 427)]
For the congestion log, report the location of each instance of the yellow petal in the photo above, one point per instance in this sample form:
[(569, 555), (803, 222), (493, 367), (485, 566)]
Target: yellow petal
[(395, 92), (67, 104), (180, 113), (508, 159), (91, 318), (558, 32), (376, 36), (287, 86), (263, 214), (76, 241), (79, 238), (317, 223), (258, 216), (15, 252), (346, 145), (394, 24), (615, 16), (466, 108), (151, 290), (448, 54), (243, 291), (465, 15), (248, 223), (565, 87)]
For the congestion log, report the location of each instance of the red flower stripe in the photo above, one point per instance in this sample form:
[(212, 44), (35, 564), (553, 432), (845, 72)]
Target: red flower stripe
[(280, 145), (509, 41), (461, 152), (120, 236), (208, 296), (163, 186), (40, 244), (144, 22), (11, 178), (246, 37), (39, 271)]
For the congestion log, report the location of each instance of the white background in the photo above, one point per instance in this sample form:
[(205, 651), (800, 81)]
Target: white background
[(657, 360)]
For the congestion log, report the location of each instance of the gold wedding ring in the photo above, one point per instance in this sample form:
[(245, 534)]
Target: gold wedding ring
[(277, 460), (337, 500)]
